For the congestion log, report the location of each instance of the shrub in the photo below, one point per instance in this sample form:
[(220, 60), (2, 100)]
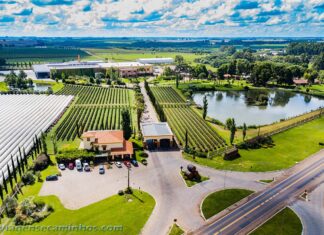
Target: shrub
[(120, 192), (71, 155), (28, 178), (143, 154), (10, 205), (41, 162)]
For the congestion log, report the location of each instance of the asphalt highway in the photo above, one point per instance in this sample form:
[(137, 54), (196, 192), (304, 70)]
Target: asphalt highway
[(263, 206)]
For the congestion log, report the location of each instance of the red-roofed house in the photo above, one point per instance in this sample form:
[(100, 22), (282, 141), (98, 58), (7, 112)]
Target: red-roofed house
[(111, 141)]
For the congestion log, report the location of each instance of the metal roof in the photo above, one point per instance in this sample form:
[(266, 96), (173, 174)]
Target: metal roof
[(156, 129)]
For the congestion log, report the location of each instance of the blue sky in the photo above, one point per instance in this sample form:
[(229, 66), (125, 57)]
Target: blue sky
[(219, 18)]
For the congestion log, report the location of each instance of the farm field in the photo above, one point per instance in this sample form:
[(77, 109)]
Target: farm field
[(290, 147), (25, 57), (23, 117), (120, 55), (181, 118), (95, 108)]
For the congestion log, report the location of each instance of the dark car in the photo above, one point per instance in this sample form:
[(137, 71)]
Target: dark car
[(134, 162), (51, 178), (144, 162), (71, 166), (127, 163)]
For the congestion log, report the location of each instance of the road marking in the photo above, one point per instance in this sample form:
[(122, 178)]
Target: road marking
[(250, 211)]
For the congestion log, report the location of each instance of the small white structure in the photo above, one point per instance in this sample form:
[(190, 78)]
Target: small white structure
[(156, 60), (157, 134)]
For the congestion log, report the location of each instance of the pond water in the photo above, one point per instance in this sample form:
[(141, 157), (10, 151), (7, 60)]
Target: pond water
[(41, 87), (240, 106)]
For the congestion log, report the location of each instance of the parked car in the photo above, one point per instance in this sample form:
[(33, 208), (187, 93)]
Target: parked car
[(101, 169), (127, 163), (134, 162), (78, 165), (118, 164), (86, 166), (51, 178), (61, 166), (71, 166), (144, 162)]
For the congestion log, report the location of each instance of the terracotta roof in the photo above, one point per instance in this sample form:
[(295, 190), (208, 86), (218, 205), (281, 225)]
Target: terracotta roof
[(300, 81), (105, 137), (127, 149)]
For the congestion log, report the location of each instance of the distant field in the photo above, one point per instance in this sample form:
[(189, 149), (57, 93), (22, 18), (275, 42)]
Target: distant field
[(117, 54), (24, 57)]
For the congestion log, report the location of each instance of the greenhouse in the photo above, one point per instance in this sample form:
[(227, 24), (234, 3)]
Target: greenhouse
[(22, 117)]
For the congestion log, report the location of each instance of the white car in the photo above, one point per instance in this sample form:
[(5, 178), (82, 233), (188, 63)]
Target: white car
[(86, 167), (118, 164), (61, 166), (78, 165)]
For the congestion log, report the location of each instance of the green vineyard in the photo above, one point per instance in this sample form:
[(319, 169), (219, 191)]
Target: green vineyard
[(166, 95), (182, 118), (95, 108)]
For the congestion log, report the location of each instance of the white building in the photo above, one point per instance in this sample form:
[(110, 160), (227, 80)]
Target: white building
[(156, 60)]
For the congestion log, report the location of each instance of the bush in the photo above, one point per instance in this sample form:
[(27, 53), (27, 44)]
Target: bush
[(71, 155), (10, 205), (143, 154), (41, 162), (28, 178), (120, 192)]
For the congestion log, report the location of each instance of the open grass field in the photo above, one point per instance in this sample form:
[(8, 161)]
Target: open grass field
[(182, 118), (290, 147), (220, 200), (285, 222), (56, 86), (95, 108), (115, 210)]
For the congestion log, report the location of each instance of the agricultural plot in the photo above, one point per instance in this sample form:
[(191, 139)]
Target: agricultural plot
[(165, 95), (96, 108), (25, 57), (23, 117), (182, 118)]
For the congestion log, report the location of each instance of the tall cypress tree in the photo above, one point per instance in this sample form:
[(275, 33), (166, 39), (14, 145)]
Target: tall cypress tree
[(14, 171), (9, 176), (23, 167), (25, 158), (19, 167), (4, 182), (1, 192)]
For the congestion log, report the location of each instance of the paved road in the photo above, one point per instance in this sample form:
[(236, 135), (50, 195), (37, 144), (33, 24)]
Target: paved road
[(257, 210)]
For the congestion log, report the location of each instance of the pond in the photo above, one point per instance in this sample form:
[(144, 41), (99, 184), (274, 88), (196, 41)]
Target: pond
[(257, 107), (41, 87)]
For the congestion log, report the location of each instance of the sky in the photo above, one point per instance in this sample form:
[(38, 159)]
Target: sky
[(195, 18)]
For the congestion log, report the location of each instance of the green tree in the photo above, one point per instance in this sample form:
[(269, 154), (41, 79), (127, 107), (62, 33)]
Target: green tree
[(14, 171), (44, 144), (4, 182), (126, 124), (205, 107), (228, 123), (9, 177), (186, 140), (233, 130), (262, 73), (244, 131)]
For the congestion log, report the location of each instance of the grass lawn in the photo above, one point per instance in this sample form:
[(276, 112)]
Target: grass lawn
[(191, 183), (220, 200), (291, 146), (285, 222), (3, 86), (176, 230), (56, 86)]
